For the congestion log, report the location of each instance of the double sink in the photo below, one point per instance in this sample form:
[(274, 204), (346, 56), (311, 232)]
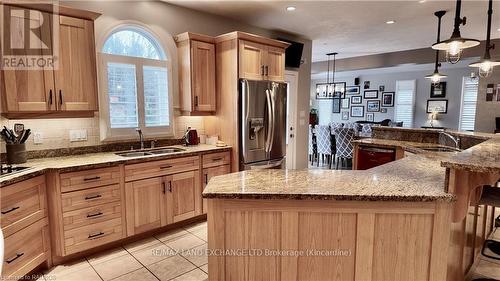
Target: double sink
[(149, 152)]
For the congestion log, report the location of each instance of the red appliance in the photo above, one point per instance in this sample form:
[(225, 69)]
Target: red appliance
[(191, 137), (369, 157)]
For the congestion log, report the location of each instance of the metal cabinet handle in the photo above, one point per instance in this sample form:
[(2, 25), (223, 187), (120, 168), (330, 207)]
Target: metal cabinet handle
[(93, 197), (91, 179), (196, 101), (206, 178), (96, 235), (50, 97), (217, 159), (10, 210), (170, 186), (18, 255), (165, 167), (262, 70), (163, 187), (95, 215), (60, 97), (267, 70)]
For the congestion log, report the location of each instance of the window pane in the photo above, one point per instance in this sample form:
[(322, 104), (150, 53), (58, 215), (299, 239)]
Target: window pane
[(122, 93), (469, 100), (156, 96), (133, 44), (405, 102)]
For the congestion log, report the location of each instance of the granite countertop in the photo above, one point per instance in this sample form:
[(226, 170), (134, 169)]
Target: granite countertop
[(483, 158), (417, 178), (97, 160)]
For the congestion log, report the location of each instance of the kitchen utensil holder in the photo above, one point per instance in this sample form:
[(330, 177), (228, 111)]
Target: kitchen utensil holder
[(16, 153)]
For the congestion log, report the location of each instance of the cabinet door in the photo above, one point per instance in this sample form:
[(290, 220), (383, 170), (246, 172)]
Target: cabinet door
[(203, 75), (183, 200), (251, 60), (145, 208), (75, 79), (208, 173), (28, 90), (275, 64)]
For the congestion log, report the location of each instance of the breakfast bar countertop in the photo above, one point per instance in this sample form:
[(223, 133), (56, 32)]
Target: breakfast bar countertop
[(417, 178), (98, 160)]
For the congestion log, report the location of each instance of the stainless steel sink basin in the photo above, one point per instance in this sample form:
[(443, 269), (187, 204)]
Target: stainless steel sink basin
[(440, 149), (134, 154), (158, 151), (166, 150)]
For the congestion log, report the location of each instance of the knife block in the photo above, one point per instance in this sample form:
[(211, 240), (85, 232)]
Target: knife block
[(16, 153)]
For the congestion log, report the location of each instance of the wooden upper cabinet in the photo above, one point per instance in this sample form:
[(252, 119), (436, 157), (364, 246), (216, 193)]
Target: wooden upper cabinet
[(251, 60), (196, 73), (59, 92), (261, 62), (76, 78), (28, 90)]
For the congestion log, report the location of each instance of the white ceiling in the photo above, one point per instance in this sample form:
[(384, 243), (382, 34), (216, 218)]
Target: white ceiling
[(356, 28)]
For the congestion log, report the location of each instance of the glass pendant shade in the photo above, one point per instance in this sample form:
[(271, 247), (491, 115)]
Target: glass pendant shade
[(454, 47), (436, 77), (485, 67)]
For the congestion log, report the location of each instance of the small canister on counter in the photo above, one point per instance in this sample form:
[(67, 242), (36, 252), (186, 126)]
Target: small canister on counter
[(16, 153)]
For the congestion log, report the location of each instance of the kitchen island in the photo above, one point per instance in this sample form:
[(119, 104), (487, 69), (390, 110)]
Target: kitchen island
[(391, 222)]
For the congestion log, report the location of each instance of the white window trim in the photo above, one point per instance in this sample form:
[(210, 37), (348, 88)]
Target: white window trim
[(106, 132)]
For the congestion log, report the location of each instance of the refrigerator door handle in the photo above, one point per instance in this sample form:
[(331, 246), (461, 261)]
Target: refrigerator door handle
[(272, 93), (269, 121), (245, 105)]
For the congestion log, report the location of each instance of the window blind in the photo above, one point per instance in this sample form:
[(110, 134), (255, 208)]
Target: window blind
[(405, 102), (122, 95), (469, 100)]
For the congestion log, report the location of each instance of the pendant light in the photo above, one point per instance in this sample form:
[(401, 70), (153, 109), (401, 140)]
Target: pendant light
[(328, 87), (486, 65), (456, 44), (436, 76)]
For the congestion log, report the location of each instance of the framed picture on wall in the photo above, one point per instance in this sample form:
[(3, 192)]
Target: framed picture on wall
[(371, 94), (373, 106), (353, 90), (345, 103), (345, 115), (336, 105), (438, 90), (370, 117), (437, 106), (356, 100), (388, 99), (357, 111)]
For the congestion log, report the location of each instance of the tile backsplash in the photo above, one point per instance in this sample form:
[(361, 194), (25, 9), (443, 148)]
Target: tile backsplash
[(55, 133)]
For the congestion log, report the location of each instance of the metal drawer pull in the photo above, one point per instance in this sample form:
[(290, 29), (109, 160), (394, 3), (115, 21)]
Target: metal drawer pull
[(164, 189), (206, 178), (95, 215), (10, 210), (93, 197), (170, 186), (18, 255), (95, 235), (217, 159), (91, 179), (166, 167)]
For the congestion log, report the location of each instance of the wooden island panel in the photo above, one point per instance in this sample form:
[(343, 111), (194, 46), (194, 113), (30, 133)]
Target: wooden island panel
[(327, 240)]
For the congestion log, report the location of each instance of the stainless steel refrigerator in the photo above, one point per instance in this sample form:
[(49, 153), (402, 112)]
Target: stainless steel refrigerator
[(263, 117)]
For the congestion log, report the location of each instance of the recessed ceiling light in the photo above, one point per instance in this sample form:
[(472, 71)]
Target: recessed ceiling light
[(422, 1), (291, 8), (390, 22), (498, 29)]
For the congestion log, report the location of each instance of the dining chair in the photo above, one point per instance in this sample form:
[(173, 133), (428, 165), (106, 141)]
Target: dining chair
[(490, 195), (366, 130), (344, 138), (312, 150), (324, 143)]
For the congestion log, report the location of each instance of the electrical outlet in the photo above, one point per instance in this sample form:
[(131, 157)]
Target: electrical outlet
[(77, 135), (37, 137)]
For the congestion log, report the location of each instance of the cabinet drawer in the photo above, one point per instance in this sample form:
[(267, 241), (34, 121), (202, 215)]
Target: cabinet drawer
[(25, 250), (91, 215), (22, 204), (90, 197), (216, 159), (90, 236), (89, 178), (161, 168)]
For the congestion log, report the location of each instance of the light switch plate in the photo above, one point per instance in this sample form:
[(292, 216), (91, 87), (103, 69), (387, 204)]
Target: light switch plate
[(37, 137), (78, 135)]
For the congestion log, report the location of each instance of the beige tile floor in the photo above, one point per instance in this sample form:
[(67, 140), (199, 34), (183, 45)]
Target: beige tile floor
[(174, 255)]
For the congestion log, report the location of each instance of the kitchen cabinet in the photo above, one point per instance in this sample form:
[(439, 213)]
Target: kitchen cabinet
[(209, 173), (145, 205), (261, 62), (369, 157), (69, 89), (214, 164), (196, 73), (183, 197)]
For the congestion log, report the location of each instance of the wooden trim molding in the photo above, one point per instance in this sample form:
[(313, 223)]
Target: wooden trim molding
[(251, 37)]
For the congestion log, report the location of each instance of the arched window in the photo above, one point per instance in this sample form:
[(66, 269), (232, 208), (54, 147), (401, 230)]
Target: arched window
[(136, 87)]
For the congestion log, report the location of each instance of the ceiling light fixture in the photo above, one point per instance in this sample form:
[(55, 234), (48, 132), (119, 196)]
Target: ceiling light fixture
[(422, 1), (291, 8), (486, 65), (436, 76), (327, 89), (390, 22), (456, 44)]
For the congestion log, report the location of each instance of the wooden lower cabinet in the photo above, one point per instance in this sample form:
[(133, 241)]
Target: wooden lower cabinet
[(145, 205), (183, 196), (208, 173)]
